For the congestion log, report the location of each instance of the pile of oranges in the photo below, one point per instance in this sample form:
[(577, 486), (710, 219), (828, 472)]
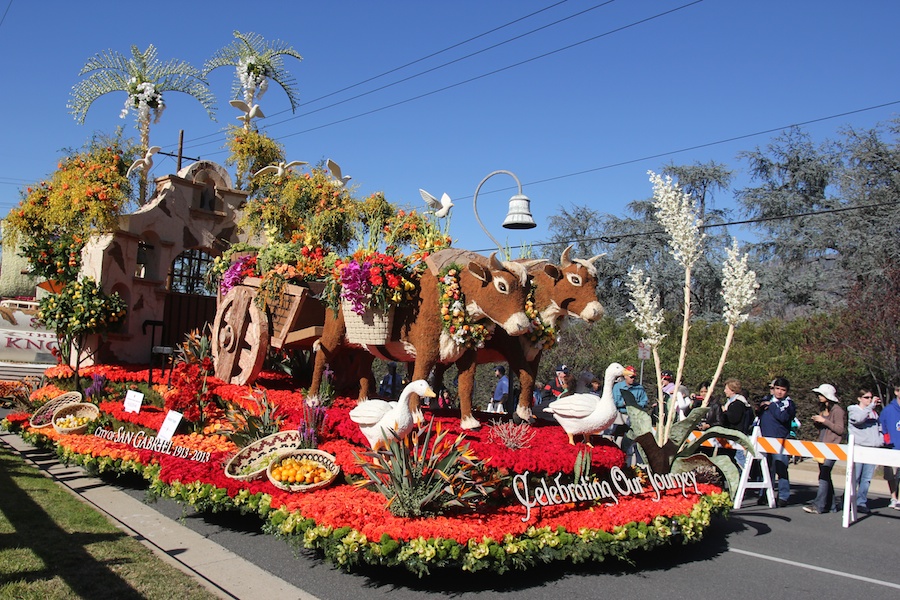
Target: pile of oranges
[(303, 471)]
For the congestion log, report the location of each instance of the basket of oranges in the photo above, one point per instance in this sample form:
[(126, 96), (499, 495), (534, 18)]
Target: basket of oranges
[(75, 418), (302, 470), (251, 461)]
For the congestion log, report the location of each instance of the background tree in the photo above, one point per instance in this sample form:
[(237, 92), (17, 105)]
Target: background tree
[(701, 181), (145, 79), (798, 251), (638, 240), (869, 238)]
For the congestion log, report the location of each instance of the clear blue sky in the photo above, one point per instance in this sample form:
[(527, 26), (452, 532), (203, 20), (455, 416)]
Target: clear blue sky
[(575, 109)]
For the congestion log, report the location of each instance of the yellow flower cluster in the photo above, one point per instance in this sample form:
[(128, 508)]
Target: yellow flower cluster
[(542, 335)]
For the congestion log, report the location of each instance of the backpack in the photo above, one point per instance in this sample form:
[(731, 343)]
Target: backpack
[(746, 425)]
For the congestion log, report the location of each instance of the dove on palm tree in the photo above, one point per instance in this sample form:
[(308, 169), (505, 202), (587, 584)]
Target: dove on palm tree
[(250, 112), (335, 169), (145, 163), (279, 169), (441, 207)]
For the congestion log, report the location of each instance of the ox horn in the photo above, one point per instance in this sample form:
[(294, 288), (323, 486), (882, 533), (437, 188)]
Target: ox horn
[(564, 260), (596, 257), (495, 263)]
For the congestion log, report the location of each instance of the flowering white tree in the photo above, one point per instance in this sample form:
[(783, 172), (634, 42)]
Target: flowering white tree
[(648, 317), (144, 78), (677, 214), (739, 287)]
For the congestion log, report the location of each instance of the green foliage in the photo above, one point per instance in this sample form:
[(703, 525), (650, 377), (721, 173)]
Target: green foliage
[(423, 475), (250, 151), (246, 426), (806, 351), (196, 349), (84, 196), (310, 208), (582, 466)]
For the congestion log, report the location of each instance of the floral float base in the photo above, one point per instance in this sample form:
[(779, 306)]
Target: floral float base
[(351, 526)]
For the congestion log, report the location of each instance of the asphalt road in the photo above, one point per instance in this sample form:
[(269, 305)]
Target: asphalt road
[(757, 553)]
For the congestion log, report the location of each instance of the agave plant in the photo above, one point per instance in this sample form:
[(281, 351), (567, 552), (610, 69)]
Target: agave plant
[(426, 473), (679, 456), (247, 426), (513, 436)]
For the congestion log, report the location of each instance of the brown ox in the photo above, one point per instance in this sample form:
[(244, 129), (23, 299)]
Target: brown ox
[(493, 290), (569, 290)]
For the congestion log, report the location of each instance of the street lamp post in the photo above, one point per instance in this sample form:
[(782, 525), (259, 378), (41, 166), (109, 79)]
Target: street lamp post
[(519, 214)]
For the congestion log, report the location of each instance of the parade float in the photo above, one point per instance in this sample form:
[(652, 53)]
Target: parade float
[(310, 270), (224, 434)]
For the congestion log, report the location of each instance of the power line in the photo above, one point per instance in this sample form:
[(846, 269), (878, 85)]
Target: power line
[(477, 77), (413, 62), (5, 12), (616, 238)]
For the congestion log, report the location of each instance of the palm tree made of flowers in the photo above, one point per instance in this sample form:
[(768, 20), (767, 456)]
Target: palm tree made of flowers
[(145, 79), (255, 62)]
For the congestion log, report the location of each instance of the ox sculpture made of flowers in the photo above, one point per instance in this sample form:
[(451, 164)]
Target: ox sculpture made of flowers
[(462, 298), (567, 290)]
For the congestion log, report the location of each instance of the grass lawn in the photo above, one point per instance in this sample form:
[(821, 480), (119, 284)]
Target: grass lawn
[(52, 545)]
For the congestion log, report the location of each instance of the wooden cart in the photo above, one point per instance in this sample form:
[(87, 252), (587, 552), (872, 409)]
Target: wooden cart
[(243, 332)]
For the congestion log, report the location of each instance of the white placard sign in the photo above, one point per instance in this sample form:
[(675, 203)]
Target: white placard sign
[(133, 401), (170, 424)]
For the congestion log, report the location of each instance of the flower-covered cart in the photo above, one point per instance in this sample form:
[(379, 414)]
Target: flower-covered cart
[(247, 324)]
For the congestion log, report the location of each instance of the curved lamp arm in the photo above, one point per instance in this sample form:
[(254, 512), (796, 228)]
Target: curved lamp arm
[(475, 202)]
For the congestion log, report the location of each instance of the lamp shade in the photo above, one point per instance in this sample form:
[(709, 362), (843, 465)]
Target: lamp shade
[(519, 215)]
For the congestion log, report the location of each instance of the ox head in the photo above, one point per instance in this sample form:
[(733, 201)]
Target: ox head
[(498, 291), (570, 289)]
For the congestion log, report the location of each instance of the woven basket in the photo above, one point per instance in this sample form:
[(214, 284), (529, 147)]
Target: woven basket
[(244, 466), (372, 328), (82, 409), (319, 456), (43, 417)]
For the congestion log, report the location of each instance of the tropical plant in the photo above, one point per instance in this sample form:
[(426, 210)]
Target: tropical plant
[(145, 79), (245, 426), (425, 474), (255, 61)]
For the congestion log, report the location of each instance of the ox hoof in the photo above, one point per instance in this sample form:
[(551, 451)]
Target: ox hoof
[(469, 422), (524, 413), (418, 418)]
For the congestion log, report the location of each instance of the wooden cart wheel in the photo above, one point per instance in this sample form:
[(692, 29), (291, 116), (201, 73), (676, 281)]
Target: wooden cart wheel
[(240, 337)]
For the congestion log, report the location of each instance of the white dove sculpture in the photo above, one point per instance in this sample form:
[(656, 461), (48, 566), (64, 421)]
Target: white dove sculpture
[(250, 112), (279, 169), (335, 169), (143, 164), (441, 207)]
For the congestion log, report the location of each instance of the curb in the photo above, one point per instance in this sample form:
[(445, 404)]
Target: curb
[(221, 571)]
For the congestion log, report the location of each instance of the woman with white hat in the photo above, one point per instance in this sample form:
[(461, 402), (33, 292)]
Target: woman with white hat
[(830, 423)]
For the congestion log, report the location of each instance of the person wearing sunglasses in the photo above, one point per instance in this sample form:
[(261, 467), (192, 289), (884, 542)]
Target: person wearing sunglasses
[(863, 426)]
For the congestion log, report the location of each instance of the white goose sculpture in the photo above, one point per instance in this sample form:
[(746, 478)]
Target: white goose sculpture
[(382, 421), (586, 413)]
